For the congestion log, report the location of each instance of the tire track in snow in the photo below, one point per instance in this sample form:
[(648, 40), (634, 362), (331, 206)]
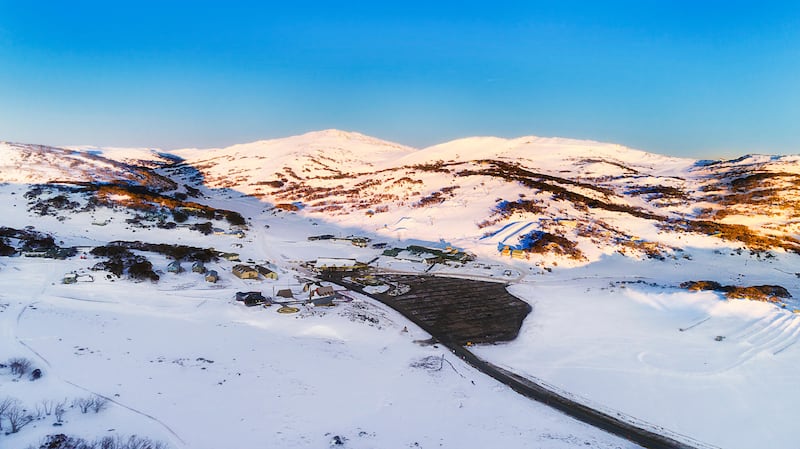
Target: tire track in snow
[(138, 412), (9, 331)]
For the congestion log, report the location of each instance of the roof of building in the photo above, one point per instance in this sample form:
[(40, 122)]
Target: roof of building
[(334, 262), (243, 268), (325, 291)]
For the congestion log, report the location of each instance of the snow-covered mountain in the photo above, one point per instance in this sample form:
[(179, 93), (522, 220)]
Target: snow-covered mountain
[(38, 164), (487, 193), (545, 200), (632, 264)]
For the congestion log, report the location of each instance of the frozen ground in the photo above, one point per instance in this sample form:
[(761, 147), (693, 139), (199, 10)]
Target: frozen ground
[(185, 365), (637, 345)]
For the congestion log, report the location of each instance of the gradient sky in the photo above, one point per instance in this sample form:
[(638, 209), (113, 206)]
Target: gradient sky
[(691, 78)]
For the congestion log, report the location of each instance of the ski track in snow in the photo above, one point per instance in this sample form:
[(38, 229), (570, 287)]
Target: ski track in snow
[(11, 333)]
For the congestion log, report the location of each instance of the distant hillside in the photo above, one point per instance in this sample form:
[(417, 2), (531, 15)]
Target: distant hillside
[(549, 198), (541, 200), (38, 164)]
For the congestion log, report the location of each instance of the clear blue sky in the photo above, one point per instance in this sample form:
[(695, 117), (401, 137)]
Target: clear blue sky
[(696, 78)]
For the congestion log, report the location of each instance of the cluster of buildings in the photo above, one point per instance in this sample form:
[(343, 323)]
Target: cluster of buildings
[(241, 271), (354, 240)]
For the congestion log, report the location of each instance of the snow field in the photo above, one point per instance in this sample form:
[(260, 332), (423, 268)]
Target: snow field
[(187, 366), (652, 353)]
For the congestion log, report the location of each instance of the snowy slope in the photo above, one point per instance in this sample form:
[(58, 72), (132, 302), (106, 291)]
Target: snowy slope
[(183, 364), (35, 164), (612, 233), (602, 198)]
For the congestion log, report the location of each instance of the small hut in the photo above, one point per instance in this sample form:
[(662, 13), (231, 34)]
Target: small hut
[(285, 293), (198, 267), (175, 267), (212, 276)]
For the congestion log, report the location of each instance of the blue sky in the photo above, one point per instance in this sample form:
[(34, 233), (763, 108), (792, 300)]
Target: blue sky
[(694, 78)]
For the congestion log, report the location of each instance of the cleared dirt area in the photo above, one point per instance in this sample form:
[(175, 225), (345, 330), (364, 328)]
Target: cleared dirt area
[(458, 311)]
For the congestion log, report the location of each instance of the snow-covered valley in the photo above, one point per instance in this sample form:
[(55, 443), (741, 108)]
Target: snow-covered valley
[(597, 239)]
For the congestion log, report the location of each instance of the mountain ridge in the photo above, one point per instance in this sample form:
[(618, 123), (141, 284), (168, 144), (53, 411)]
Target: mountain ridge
[(547, 200)]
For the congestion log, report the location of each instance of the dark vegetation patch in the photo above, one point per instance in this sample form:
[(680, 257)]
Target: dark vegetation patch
[(336, 174), (553, 184), (407, 180), (206, 228), (758, 180), (604, 161), (505, 209), (735, 232), (121, 260), (31, 241), (368, 183), (187, 173), (539, 242), (6, 249), (771, 196), (62, 441), (739, 188), (289, 207), (658, 192), (432, 167), (144, 199), (653, 250), (437, 197), (274, 184), (514, 172), (50, 205), (177, 252), (288, 170), (191, 191), (139, 198), (300, 192), (769, 293), (58, 200), (142, 269)]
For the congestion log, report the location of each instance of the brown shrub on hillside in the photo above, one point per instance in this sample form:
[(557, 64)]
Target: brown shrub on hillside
[(696, 286), (555, 185), (758, 180), (287, 207), (659, 192), (770, 293), (437, 197)]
